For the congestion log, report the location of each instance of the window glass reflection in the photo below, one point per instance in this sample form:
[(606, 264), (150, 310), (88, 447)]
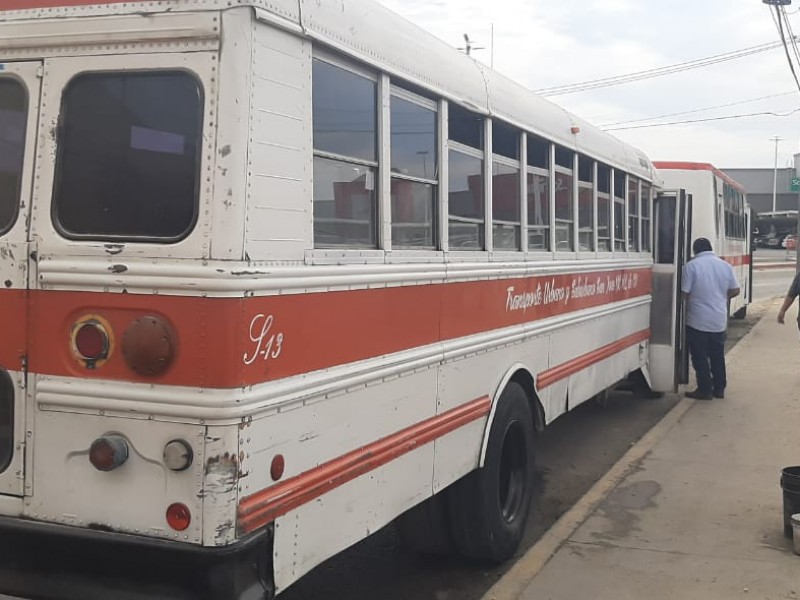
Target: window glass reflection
[(344, 203), (466, 202)]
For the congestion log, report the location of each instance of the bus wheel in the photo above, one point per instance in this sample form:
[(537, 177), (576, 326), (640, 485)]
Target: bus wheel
[(424, 528), (489, 507), (740, 314)]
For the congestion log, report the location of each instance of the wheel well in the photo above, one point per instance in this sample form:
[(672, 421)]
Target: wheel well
[(525, 380)]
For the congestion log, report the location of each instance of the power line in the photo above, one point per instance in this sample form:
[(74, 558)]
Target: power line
[(657, 72), (726, 118), (786, 47), (697, 110), (791, 33)]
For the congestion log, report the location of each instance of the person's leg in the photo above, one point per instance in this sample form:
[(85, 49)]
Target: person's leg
[(716, 353), (698, 350)]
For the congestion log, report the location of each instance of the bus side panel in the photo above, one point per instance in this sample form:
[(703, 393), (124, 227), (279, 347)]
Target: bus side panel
[(278, 212), (347, 473)]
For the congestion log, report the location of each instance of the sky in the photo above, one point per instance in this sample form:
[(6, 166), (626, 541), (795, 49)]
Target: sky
[(544, 43)]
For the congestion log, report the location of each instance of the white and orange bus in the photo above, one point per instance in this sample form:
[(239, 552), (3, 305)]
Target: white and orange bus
[(277, 272), (719, 212)]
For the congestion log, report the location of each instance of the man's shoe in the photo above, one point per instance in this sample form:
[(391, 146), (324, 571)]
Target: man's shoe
[(719, 394), (698, 395)]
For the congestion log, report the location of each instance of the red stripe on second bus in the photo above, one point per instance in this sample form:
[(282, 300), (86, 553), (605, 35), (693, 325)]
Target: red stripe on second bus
[(737, 261)]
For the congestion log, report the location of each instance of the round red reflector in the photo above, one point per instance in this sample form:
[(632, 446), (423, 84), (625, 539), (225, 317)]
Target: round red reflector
[(108, 452), (178, 516), (277, 468), (91, 341), (148, 345)]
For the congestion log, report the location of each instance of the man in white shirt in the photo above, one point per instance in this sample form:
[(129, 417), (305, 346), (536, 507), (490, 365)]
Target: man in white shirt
[(708, 283)]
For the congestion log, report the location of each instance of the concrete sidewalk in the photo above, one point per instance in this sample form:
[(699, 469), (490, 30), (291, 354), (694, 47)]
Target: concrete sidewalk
[(697, 512)]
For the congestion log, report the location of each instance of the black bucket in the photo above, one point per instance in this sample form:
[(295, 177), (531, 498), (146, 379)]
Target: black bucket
[(790, 484)]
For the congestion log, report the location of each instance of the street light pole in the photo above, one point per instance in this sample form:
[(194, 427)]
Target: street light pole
[(776, 139)]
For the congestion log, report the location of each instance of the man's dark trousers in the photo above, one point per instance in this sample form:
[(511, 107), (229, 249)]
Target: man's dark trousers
[(707, 350)]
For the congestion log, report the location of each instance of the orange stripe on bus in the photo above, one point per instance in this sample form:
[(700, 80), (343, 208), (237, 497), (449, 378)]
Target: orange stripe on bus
[(265, 506), (551, 376), (226, 343)]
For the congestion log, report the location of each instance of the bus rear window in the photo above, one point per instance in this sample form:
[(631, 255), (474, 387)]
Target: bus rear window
[(129, 156), (13, 115)]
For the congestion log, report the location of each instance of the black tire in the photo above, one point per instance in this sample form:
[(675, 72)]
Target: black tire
[(641, 389), (740, 314), (489, 508), (425, 529)]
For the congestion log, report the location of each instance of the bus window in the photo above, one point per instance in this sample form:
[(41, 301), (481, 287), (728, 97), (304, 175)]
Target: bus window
[(6, 420), (646, 203), (415, 171), (585, 204), (604, 208), (345, 157), (619, 211), (466, 180), (13, 115), (129, 156), (633, 214), (506, 205), (538, 193), (665, 236), (565, 189)]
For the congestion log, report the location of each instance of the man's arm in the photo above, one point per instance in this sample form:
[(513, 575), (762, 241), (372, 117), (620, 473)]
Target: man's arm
[(787, 303), (794, 291), (733, 284)]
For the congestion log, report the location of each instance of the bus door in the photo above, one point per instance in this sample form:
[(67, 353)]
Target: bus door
[(19, 117), (669, 356)]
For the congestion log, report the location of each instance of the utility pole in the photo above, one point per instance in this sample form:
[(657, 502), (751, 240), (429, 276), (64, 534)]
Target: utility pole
[(492, 51), (776, 139)]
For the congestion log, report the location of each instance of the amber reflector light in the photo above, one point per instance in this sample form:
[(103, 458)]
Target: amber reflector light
[(148, 346), (178, 516), (91, 341)]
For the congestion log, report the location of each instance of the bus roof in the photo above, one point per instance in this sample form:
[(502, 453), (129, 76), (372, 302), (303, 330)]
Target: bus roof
[(697, 166), (370, 32)]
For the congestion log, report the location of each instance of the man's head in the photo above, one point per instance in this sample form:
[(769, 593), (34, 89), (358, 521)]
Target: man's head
[(701, 245)]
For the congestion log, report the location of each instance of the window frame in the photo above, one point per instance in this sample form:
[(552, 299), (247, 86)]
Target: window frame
[(571, 224), (516, 164), (379, 240), (592, 186), (398, 91)]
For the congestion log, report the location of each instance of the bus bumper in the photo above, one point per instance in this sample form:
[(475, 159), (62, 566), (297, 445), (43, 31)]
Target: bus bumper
[(56, 562)]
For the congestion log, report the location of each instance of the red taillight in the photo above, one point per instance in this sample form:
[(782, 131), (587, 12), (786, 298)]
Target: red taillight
[(178, 516), (108, 452), (91, 341)]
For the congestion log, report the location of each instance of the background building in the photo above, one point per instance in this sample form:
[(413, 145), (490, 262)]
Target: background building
[(758, 185)]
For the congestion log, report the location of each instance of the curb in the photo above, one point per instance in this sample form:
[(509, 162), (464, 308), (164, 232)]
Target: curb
[(775, 266), (511, 585)]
